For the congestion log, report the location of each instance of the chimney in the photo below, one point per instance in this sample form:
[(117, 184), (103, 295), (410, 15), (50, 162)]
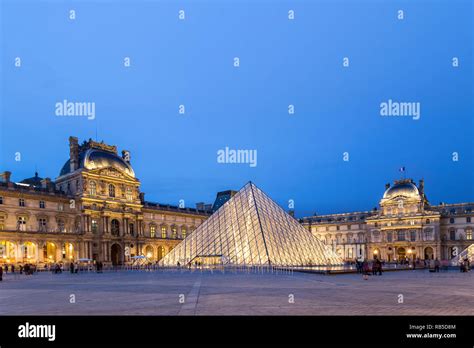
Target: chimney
[(142, 197), (387, 186), (5, 176), (421, 186), (73, 154), (126, 156)]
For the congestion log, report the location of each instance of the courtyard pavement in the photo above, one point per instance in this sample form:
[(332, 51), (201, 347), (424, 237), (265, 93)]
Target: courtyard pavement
[(239, 293)]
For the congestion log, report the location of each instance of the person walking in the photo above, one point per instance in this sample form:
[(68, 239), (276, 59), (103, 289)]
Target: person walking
[(1, 273), (437, 264), (365, 269), (379, 267), (13, 268), (71, 267)]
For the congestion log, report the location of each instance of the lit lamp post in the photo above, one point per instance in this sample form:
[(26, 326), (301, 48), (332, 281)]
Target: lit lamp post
[(375, 253)]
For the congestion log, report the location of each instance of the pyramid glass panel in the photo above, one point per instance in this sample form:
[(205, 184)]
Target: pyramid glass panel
[(251, 229)]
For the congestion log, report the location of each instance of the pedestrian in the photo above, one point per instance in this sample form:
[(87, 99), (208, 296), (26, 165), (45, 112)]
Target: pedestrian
[(379, 267), (71, 267), (365, 269), (13, 268), (21, 269), (437, 264), (1, 273)]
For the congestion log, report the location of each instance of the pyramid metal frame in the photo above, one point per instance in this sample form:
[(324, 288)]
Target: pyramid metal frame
[(251, 229)]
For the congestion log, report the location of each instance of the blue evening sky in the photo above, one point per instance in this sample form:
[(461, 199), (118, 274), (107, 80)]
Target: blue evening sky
[(282, 62)]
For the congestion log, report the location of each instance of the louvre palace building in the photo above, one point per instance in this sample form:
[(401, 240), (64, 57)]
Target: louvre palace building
[(404, 227), (93, 210)]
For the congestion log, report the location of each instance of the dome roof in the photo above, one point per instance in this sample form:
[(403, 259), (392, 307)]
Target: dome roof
[(402, 188), (97, 159)]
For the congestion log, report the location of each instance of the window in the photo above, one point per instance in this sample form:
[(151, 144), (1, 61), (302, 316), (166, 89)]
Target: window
[(115, 227), (129, 194), (452, 235), (174, 232), (111, 190), (163, 232), (21, 202), (1, 200), (41, 204), (469, 234), (42, 225), (60, 206), (152, 231), (92, 188), (428, 234), (389, 236), (2, 222), (21, 223), (61, 226), (131, 229), (412, 236), (400, 235), (94, 226), (451, 220), (428, 221), (183, 232), (468, 219)]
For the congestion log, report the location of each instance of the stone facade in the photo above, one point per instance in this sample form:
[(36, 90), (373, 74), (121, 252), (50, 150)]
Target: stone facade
[(93, 210), (405, 226)]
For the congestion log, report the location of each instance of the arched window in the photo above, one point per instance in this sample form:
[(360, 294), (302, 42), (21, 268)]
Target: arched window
[(92, 188), (183, 232), (115, 227), (131, 229), (163, 232), (111, 190), (174, 232), (152, 231)]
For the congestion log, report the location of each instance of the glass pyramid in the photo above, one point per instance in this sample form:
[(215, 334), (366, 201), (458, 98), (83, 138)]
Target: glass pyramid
[(251, 229)]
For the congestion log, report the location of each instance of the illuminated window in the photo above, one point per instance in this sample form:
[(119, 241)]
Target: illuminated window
[(152, 231), (174, 232), (469, 234), (163, 232), (129, 194), (111, 190), (183, 232), (94, 226), (92, 188)]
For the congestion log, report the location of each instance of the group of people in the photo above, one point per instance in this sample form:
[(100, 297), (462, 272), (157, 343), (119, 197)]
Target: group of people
[(364, 267), (27, 269)]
